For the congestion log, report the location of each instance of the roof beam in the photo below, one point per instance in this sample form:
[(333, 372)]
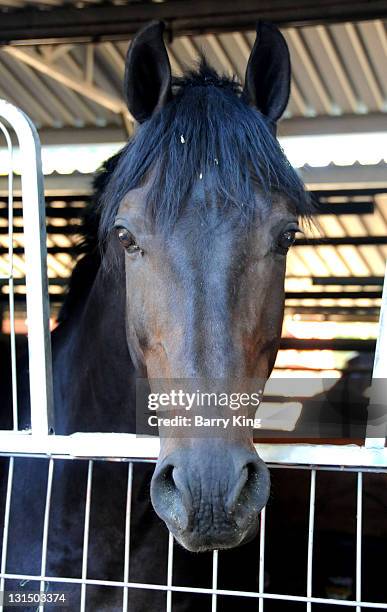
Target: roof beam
[(354, 313), (87, 89), (336, 177), (296, 126), (336, 344), (342, 240), (333, 295), (343, 124), (112, 22), (348, 280)]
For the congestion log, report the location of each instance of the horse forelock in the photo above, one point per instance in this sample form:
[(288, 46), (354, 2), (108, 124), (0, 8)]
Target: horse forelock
[(206, 132)]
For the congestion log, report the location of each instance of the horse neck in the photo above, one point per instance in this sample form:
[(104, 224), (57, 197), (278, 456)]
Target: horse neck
[(94, 377)]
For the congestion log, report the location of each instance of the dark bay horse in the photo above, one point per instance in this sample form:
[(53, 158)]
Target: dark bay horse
[(195, 218)]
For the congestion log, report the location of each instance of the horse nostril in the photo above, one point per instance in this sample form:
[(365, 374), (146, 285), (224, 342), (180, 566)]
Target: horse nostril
[(250, 493), (167, 498), (252, 472), (167, 476)]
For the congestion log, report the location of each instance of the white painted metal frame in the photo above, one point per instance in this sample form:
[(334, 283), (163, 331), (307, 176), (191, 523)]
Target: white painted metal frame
[(34, 219), (39, 442)]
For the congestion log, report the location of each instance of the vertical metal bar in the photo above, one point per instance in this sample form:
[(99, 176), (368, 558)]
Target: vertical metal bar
[(309, 576), (45, 529), (86, 535), (214, 603), (6, 526), (10, 276), (127, 536), (359, 521), (261, 584), (39, 345), (376, 433), (170, 572)]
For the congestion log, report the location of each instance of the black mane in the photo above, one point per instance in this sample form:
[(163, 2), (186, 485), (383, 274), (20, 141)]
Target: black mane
[(209, 131)]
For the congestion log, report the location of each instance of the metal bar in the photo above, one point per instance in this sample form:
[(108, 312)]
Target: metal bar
[(56, 282), (312, 501), (45, 529), (128, 446), (359, 521), (348, 280), (65, 230), (352, 313), (6, 527), (112, 22), (376, 434), (54, 250), (127, 537), (333, 295), (20, 298), (11, 298), (345, 208), (369, 190), (86, 536), (70, 205), (335, 344), (342, 240), (214, 601), (261, 578), (347, 123), (169, 572), (39, 344)]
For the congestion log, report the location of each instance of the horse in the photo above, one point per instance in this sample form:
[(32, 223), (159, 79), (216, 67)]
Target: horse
[(184, 280)]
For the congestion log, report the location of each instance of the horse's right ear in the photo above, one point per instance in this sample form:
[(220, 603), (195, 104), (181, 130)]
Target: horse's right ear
[(147, 72)]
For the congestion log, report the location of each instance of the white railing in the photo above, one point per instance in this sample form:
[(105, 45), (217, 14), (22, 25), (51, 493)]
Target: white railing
[(34, 221)]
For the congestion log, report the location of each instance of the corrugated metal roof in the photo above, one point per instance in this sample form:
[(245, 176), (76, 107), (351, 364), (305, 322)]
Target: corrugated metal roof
[(338, 70)]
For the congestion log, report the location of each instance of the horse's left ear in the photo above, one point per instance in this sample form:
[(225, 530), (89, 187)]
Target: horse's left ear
[(267, 82), (147, 72)]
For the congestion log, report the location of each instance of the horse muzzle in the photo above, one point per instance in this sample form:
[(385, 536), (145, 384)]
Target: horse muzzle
[(210, 494)]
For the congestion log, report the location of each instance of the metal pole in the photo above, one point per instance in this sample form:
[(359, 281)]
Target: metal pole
[(39, 344), (376, 431)]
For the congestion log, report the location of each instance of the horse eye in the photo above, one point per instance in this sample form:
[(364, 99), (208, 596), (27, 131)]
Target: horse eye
[(127, 240), (286, 240)]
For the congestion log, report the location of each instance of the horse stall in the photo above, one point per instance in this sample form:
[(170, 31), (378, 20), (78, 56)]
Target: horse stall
[(77, 528)]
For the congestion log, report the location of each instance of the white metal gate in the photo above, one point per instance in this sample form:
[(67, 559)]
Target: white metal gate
[(40, 441)]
